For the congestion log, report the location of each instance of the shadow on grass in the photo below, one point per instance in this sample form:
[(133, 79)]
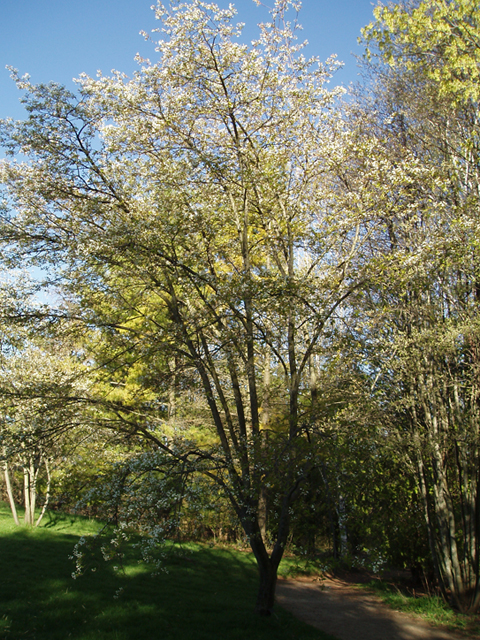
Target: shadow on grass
[(207, 593)]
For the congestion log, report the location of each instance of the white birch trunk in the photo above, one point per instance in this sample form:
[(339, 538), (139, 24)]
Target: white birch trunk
[(10, 495)]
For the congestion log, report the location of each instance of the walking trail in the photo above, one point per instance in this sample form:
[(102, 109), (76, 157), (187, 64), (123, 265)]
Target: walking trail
[(349, 613)]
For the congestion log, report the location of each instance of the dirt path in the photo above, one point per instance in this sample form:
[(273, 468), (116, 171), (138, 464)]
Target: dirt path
[(348, 613)]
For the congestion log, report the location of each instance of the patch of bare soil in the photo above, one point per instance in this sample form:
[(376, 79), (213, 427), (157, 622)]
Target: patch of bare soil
[(348, 613)]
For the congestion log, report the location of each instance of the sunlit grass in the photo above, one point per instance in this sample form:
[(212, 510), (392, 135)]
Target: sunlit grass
[(206, 593), (431, 608)]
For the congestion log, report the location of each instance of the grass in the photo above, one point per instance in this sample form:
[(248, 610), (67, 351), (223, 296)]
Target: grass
[(430, 608), (293, 566), (207, 592)]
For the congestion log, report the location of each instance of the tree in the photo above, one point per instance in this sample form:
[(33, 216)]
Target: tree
[(439, 36), (41, 419), (38, 376), (423, 122), (191, 218)]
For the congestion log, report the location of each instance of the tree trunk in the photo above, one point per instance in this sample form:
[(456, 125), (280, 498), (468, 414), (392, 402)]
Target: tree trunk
[(266, 590), (10, 495), (342, 526), (262, 512), (47, 495), (268, 563), (26, 495), (267, 569), (172, 389), (29, 490), (264, 424), (331, 512)]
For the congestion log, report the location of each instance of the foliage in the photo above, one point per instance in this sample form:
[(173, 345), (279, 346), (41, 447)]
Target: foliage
[(438, 36)]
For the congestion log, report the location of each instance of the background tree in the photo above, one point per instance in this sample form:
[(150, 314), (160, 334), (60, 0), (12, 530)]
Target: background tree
[(39, 374), (422, 119)]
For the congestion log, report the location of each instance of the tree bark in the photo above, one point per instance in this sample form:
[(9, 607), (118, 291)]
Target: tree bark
[(267, 569), (10, 495), (26, 495), (47, 495), (266, 590)]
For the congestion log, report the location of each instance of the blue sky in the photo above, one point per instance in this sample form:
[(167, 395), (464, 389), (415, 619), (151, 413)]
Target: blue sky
[(56, 40)]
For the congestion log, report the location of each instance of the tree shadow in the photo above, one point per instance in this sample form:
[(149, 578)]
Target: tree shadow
[(204, 593)]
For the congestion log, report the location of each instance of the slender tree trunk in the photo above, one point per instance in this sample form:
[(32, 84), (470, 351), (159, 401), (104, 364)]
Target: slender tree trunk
[(26, 495), (33, 490), (29, 489), (264, 421), (262, 509), (10, 495), (172, 389), (47, 495), (331, 508), (342, 526)]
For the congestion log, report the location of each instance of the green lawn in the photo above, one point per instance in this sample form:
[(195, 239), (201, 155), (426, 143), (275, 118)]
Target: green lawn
[(207, 593)]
